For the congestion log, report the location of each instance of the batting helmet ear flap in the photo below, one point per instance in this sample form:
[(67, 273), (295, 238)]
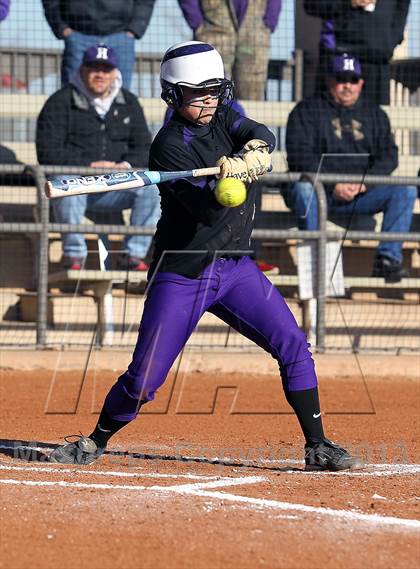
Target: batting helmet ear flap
[(172, 96)]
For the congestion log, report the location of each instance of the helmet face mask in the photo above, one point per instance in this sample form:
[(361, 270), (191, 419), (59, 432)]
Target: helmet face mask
[(198, 67), (219, 90)]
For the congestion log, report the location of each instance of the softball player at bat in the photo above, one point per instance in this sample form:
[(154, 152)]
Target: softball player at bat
[(201, 261)]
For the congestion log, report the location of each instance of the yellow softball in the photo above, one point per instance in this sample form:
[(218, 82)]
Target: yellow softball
[(230, 192)]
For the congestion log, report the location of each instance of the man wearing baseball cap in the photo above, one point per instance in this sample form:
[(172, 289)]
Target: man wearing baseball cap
[(95, 122), (346, 67), (100, 54), (339, 132)]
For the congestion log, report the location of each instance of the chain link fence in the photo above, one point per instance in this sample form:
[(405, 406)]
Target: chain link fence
[(325, 275)]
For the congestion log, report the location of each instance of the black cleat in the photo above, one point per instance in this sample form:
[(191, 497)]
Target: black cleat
[(329, 456), (389, 269), (81, 451)]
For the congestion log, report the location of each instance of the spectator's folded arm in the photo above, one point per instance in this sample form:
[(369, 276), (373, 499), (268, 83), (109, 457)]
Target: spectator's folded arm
[(326, 9), (52, 12), (142, 13), (399, 21), (192, 12), (384, 158), (4, 9), (272, 13), (303, 152)]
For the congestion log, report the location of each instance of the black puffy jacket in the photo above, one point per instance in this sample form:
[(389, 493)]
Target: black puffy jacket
[(320, 132), (70, 131)]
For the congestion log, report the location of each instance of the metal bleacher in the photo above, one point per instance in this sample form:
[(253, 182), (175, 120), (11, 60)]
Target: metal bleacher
[(272, 113)]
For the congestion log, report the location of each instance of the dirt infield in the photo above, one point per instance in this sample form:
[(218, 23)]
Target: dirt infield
[(210, 476)]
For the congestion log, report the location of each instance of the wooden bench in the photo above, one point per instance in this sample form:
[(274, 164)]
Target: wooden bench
[(18, 203), (100, 284), (356, 283), (274, 113)]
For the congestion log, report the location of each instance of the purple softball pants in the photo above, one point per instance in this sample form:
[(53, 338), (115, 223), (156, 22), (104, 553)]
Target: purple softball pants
[(236, 291)]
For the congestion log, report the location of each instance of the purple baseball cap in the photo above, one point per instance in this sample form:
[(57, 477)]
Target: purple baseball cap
[(100, 54), (345, 64)]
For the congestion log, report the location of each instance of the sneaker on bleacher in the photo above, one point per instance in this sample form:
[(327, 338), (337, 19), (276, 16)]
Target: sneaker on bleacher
[(127, 263), (72, 263), (389, 269), (267, 268)]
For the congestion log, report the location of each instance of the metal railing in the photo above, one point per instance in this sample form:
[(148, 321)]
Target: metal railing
[(43, 227)]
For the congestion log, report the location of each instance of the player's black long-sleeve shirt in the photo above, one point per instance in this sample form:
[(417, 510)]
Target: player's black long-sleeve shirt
[(194, 227)]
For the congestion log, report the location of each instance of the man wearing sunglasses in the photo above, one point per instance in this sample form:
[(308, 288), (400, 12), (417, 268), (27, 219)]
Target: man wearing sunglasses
[(339, 132)]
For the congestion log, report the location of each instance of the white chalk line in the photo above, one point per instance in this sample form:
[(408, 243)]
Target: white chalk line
[(188, 488), (398, 469), (50, 468), (201, 490), (383, 470), (179, 488), (64, 484), (377, 470), (319, 511)]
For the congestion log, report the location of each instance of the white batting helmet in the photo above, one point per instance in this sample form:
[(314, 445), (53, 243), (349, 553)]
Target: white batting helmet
[(192, 64)]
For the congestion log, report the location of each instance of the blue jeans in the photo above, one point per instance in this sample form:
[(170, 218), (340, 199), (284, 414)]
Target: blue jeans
[(145, 210), (396, 203), (76, 43)]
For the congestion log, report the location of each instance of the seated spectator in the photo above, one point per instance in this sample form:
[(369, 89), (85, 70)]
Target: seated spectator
[(327, 133), (95, 122), (117, 23), (368, 29)]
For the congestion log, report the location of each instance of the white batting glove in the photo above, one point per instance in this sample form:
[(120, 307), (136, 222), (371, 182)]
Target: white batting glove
[(257, 158), (233, 168)]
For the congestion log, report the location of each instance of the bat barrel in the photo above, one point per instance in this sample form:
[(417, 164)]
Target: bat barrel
[(61, 186)]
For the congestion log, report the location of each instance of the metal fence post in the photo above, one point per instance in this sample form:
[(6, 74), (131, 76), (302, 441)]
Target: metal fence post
[(322, 265), (298, 76), (321, 259), (42, 276)]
